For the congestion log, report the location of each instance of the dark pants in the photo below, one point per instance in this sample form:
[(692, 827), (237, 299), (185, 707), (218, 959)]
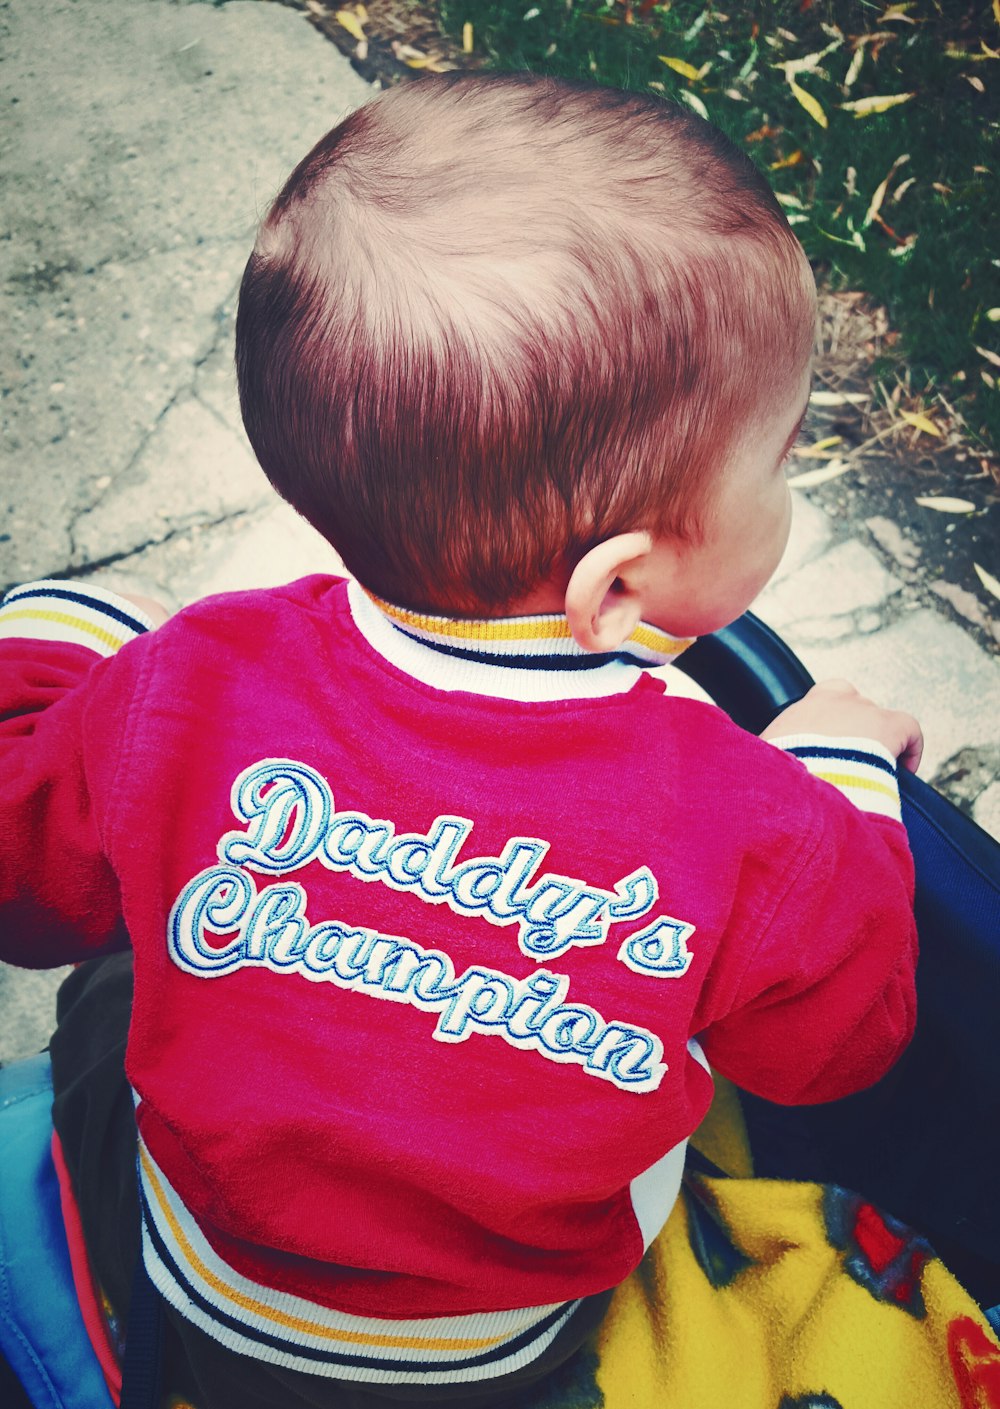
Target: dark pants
[(93, 1115)]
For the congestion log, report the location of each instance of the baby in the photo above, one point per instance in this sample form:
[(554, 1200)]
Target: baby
[(442, 905)]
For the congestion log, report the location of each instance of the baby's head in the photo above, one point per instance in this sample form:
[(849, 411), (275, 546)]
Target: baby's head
[(493, 322)]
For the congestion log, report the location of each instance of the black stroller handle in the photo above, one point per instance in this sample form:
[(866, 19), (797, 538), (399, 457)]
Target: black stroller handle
[(748, 670), (925, 1141)]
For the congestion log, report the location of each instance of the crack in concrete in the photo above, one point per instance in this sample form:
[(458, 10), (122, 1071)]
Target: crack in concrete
[(78, 570), (919, 588), (47, 273), (187, 388)]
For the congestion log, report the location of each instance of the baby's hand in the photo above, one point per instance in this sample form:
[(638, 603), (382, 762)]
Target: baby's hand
[(835, 707), (156, 611)]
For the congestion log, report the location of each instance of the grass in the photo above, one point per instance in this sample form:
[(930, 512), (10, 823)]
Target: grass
[(876, 123)]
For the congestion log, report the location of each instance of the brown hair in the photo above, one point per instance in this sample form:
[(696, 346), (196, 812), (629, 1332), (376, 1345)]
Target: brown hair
[(490, 321)]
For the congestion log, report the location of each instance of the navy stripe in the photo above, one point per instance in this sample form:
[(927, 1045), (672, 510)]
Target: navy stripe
[(527, 662), (330, 1357), (854, 755), (67, 595)]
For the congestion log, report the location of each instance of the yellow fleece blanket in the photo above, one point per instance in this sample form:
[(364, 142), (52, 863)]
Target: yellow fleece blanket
[(767, 1294)]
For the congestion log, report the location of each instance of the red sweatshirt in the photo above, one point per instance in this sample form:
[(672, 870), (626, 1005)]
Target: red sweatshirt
[(436, 925)]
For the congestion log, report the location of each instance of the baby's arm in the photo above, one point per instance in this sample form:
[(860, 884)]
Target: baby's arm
[(837, 709), (59, 897)]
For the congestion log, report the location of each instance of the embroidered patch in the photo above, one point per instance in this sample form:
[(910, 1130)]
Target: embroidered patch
[(221, 922), (291, 820)]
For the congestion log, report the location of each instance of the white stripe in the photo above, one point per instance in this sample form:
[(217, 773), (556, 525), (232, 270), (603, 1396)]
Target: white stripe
[(33, 615), (499, 1325), (654, 1191), (445, 672), (866, 785)]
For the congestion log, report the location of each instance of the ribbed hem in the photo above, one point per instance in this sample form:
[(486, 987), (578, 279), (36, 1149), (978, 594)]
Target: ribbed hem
[(527, 658), (864, 771), (280, 1328), (80, 615)]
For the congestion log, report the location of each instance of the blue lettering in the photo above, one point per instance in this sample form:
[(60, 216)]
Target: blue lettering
[(214, 902)]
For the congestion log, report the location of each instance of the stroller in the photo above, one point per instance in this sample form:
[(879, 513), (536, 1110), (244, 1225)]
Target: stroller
[(923, 1143)]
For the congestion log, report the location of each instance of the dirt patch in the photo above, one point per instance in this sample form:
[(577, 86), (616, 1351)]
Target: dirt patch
[(913, 486)]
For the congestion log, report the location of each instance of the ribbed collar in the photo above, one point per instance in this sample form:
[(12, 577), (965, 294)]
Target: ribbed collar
[(518, 658)]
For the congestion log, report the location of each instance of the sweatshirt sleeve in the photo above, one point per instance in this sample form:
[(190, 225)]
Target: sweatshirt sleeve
[(59, 899), (827, 1002)]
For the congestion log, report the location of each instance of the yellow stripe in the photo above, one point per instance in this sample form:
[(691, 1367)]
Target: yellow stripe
[(539, 628), (300, 1323), (659, 641), (501, 629), (845, 780), (64, 619)]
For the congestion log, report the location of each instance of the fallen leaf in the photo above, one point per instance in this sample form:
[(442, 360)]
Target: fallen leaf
[(808, 478), (876, 201), (863, 107), (694, 102), (837, 398), (922, 423), (977, 83), (696, 28), (413, 58), (682, 67), (467, 38), (902, 189), (793, 159), (986, 578), (807, 101), (993, 314), (946, 505), (985, 352), (809, 63), (351, 23), (819, 447), (855, 68), (785, 199)]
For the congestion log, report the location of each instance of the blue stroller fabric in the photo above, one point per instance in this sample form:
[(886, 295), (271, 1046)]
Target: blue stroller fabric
[(925, 1141), (42, 1335)]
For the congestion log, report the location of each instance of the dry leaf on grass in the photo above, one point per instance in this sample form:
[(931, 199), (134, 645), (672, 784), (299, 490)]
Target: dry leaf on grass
[(945, 504), (819, 448), (863, 107), (682, 67), (811, 104), (922, 423), (988, 580), (351, 23), (809, 478), (837, 398)]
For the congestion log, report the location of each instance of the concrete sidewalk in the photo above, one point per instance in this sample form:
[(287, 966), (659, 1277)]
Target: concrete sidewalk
[(140, 144)]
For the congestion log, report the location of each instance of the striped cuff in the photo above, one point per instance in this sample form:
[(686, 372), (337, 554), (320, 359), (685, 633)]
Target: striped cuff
[(861, 769), (80, 615)]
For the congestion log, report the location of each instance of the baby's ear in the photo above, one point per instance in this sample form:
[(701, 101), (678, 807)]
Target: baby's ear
[(604, 598)]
